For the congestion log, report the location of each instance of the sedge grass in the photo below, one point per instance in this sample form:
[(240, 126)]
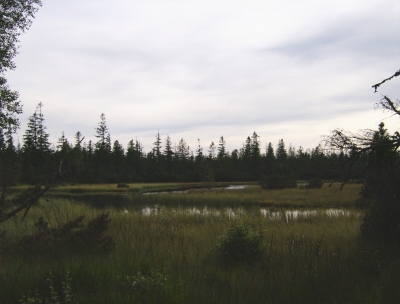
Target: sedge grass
[(309, 260)]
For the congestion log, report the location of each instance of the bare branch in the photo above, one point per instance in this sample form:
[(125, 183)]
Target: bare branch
[(375, 86)]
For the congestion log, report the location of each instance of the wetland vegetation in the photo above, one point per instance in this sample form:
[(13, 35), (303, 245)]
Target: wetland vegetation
[(193, 257), (192, 243)]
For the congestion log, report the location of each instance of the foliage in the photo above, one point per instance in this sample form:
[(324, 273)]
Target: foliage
[(277, 181), (378, 153), (52, 295), (315, 183), (15, 18), (304, 260), (71, 237), (122, 185), (241, 243), (207, 176), (154, 287)]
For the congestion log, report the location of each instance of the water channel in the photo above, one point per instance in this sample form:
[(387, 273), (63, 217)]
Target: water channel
[(231, 213)]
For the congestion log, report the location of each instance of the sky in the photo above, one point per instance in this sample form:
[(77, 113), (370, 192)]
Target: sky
[(292, 70)]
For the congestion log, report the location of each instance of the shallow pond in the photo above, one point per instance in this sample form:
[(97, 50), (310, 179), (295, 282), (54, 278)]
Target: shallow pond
[(230, 187), (271, 214)]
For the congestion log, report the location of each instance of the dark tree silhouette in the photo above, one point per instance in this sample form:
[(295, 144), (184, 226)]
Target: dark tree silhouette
[(378, 152)]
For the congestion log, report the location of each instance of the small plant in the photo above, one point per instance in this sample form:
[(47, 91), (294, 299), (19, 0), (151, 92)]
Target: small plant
[(63, 296), (241, 243), (315, 183), (154, 287), (122, 185), (277, 181), (72, 236)]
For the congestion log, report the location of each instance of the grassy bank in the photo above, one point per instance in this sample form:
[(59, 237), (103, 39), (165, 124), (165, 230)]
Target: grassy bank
[(327, 197), (174, 258)]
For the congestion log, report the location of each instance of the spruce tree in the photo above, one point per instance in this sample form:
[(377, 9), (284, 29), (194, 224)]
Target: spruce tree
[(281, 154), (211, 151), (36, 148), (157, 147), (102, 134), (221, 148), (168, 153)]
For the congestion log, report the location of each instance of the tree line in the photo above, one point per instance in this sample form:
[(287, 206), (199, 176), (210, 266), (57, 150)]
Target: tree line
[(104, 161)]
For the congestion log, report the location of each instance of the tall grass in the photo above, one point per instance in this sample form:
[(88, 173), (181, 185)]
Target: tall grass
[(248, 197), (174, 258)]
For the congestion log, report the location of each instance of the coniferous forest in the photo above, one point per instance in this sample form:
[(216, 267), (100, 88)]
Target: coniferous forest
[(106, 161)]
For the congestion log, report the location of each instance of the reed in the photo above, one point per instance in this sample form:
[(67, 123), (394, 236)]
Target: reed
[(173, 257)]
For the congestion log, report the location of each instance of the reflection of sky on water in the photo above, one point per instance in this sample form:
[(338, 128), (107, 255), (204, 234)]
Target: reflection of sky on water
[(232, 213), (230, 187)]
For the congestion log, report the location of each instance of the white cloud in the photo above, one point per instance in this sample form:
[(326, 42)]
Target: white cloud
[(202, 69)]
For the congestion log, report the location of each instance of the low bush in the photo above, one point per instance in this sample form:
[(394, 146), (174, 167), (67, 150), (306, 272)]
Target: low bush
[(241, 243), (315, 183), (277, 181), (55, 292), (122, 185), (72, 236), (153, 287)]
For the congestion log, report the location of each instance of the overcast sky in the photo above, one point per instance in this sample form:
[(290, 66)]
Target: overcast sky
[(201, 69)]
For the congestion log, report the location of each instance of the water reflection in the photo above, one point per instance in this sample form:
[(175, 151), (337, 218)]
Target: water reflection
[(232, 213), (230, 187)]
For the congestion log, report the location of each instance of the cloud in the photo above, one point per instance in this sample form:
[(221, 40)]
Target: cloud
[(202, 69)]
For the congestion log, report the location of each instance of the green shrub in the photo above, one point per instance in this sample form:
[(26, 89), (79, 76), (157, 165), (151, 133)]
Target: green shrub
[(277, 181), (56, 292), (316, 183), (241, 243), (122, 185), (72, 236), (154, 287)]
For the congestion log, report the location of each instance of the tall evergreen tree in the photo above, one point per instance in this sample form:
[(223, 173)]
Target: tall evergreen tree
[(221, 148), (281, 154), (157, 147), (211, 151), (255, 154), (102, 134), (168, 153), (36, 148), (43, 137), (199, 152), (118, 160)]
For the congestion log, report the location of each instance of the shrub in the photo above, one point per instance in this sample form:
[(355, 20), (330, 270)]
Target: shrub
[(241, 243), (277, 181), (154, 287), (73, 236), (315, 183), (122, 185), (56, 292)]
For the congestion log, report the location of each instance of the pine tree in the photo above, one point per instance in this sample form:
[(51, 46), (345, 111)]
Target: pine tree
[(199, 152), (63, 144), (102, 134), (246, 150), (255, 154), (78, 139), (211, 151), (269, 159), (281, 154), (36, 148), (221, 148), (43, 137), (157, 147), (118, 159), (183, 151), (168, 153)]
